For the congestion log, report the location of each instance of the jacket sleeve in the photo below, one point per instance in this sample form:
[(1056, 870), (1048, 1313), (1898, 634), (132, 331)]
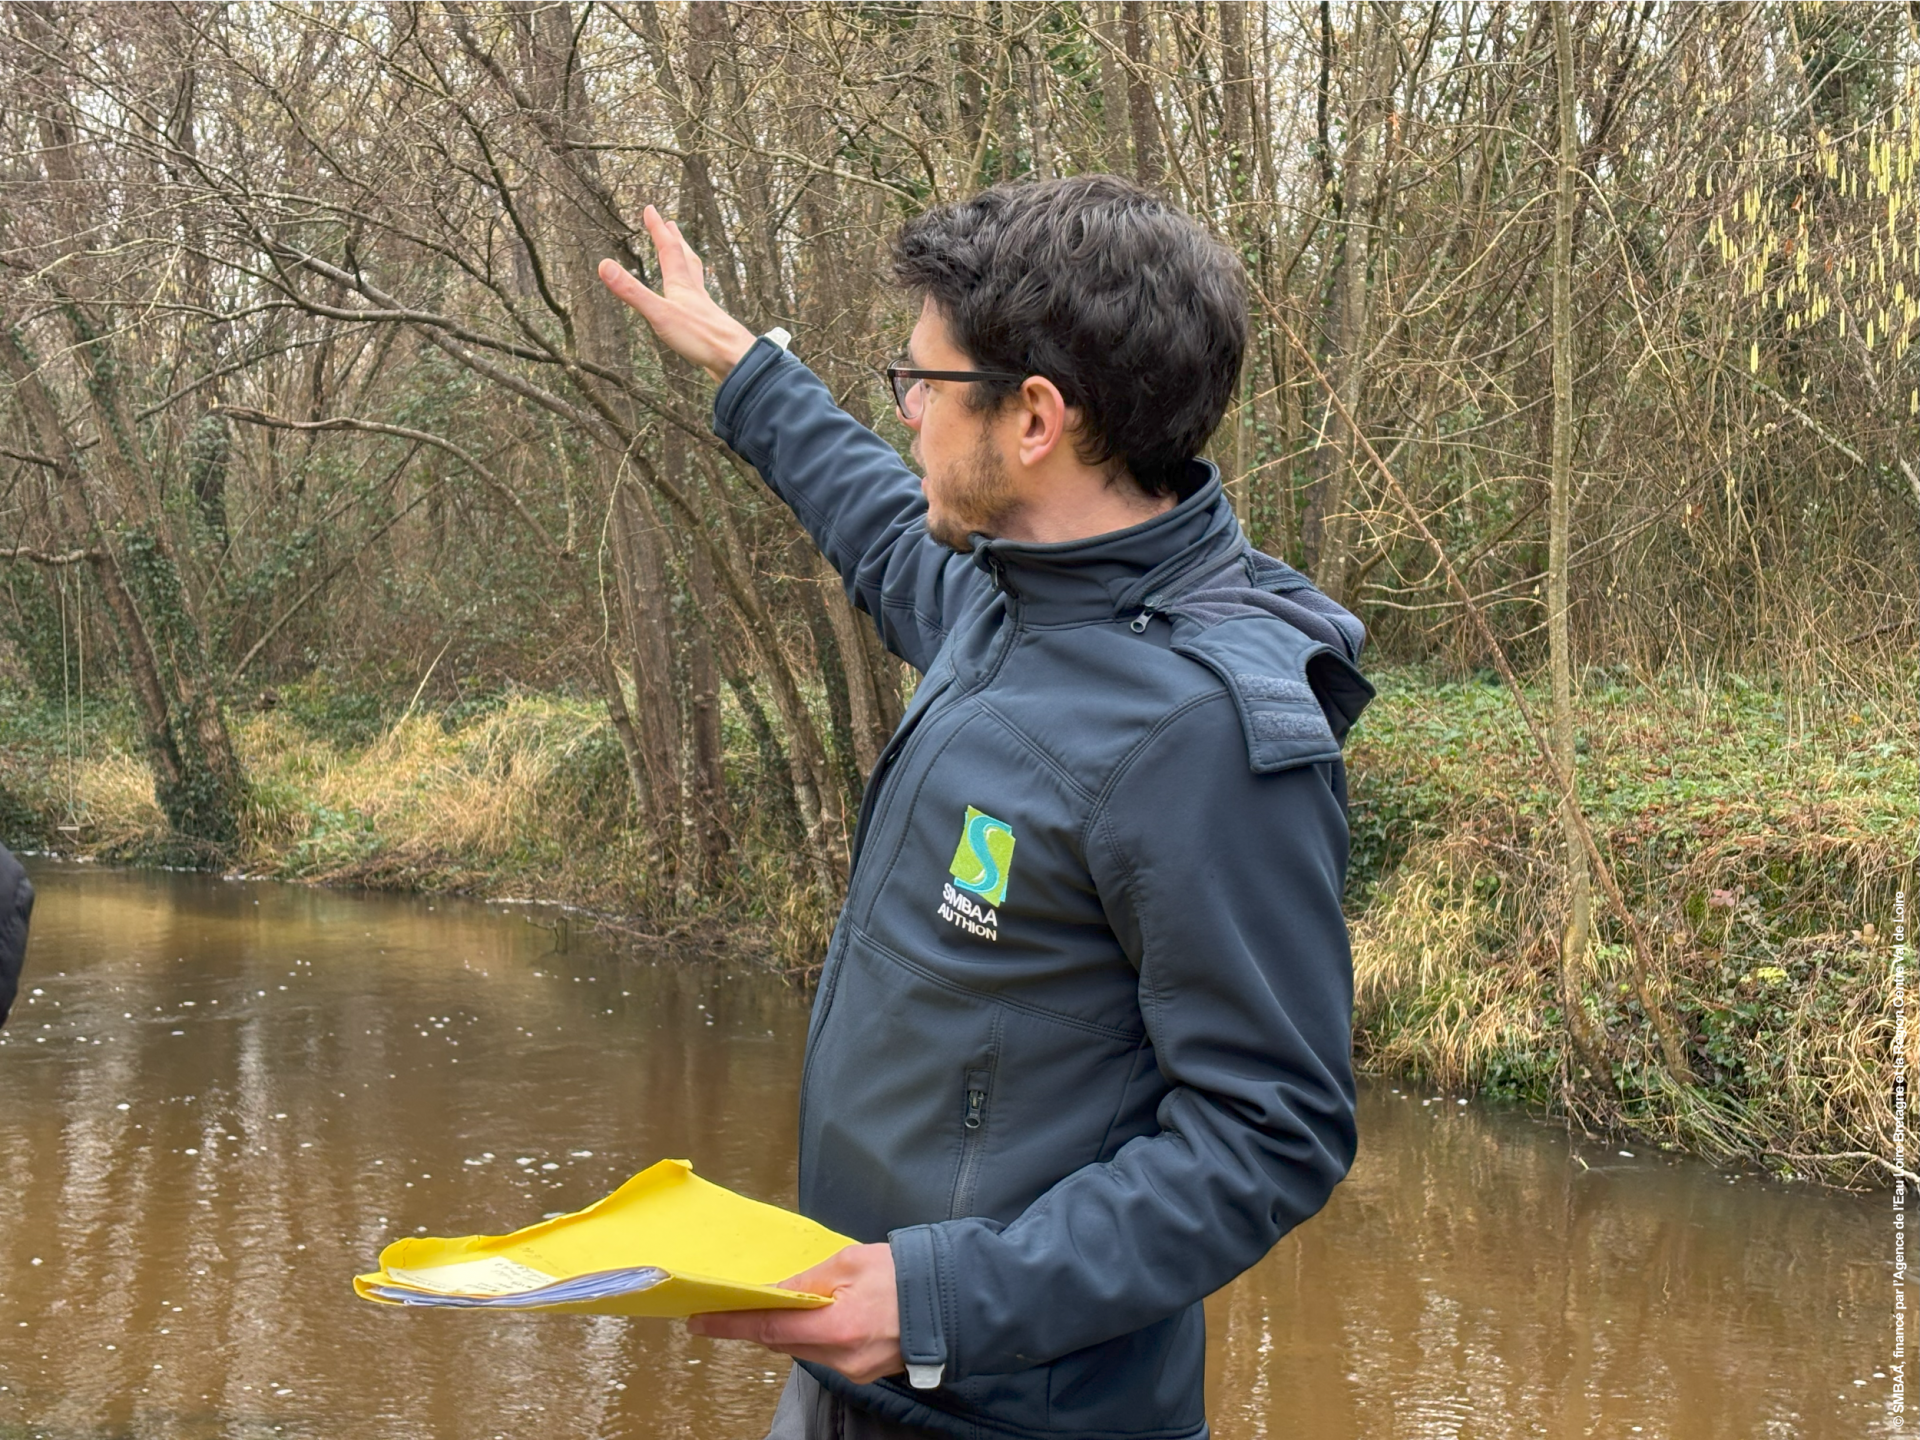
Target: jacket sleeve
[(1224, 888), (863, 507)]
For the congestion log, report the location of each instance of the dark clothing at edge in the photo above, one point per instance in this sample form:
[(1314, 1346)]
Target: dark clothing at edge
[(1081, 1048), (16, 909), (808, 1412)]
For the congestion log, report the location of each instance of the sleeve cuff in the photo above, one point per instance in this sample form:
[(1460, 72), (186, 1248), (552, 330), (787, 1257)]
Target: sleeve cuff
[(923, 1330), (730, 400)]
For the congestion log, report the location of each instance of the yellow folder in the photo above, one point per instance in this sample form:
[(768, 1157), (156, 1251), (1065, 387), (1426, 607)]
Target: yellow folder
[(666, 1244)]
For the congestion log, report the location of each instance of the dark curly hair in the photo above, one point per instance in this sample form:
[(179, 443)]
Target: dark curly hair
[(1137, 314)]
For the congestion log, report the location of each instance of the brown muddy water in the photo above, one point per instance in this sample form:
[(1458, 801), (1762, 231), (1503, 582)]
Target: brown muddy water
[(220, 1099)]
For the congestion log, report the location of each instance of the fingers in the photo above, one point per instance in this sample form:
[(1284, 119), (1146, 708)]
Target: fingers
[(678, 264), (667, 247), (823, 1279), (616, 278), (775, 1329), (800, 1334)]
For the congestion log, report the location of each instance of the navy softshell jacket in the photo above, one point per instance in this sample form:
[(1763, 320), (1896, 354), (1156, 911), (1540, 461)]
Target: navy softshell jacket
[(1081, 1047)]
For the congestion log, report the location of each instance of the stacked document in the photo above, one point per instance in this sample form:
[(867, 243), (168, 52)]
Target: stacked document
[(665, 1244)]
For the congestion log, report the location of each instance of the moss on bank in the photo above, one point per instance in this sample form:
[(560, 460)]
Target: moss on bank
[(1760, 837)]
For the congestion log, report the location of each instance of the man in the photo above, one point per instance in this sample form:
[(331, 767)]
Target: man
[(1080, 1052)]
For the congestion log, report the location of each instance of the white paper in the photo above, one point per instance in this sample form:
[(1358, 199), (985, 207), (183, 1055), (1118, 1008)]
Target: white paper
[(581, 1289), (494, 1275)]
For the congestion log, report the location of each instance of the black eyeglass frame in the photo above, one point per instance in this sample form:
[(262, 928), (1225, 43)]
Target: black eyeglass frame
[(896, 373)]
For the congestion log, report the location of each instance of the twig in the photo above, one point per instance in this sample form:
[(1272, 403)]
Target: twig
[(1887, 629), (1670, 1047), (47, 557), (421, 688)]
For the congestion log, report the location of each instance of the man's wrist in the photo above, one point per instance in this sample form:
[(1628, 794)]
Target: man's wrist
[(728, 351)]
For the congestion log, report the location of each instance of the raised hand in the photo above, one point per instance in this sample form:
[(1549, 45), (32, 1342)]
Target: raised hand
[(681, 313)]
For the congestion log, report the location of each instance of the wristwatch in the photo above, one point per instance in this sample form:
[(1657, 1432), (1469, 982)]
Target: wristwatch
[(778, 336)]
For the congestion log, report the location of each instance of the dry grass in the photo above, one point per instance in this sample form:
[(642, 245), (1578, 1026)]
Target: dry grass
[(1760, 839), (1434, 992), (526, 798), (457, 804)]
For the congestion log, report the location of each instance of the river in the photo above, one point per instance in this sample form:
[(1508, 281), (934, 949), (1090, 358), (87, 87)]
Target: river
[(218, 1100)]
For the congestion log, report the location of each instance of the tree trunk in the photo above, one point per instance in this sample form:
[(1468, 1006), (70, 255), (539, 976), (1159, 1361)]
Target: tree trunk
[(1142, 115), (645, 598), (1575, 936), (708, 757), (197, 781), (1326, 530), (833, 667), (1114, 124)]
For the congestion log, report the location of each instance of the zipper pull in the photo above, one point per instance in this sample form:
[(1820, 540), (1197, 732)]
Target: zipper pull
[(1147, 609), (976, 1102), (990, 562)]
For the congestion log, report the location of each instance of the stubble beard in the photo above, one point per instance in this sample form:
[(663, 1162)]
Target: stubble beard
[(978, 498)]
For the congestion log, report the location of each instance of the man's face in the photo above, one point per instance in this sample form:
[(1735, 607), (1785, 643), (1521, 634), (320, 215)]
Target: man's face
[(969, 487)]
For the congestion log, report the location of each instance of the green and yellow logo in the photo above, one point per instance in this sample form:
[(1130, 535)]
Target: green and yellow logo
[(984, 858)]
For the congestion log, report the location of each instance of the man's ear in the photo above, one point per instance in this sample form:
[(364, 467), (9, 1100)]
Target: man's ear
[(1044, 419)]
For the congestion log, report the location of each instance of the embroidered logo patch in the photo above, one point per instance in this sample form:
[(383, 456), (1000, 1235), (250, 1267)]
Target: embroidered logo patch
[(984, 858), (980, 868)]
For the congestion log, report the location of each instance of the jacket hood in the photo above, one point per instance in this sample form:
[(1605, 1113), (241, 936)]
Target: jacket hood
[(1296, 683)]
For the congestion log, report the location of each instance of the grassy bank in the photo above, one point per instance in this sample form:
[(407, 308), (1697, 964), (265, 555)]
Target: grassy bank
[(1760, 837), (524, 795)]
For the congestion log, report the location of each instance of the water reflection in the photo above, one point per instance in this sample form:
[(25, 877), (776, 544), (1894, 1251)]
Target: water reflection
[(225, 1098), (1481, 1275)]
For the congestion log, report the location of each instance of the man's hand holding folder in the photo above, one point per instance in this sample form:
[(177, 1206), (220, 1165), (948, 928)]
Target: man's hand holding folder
[(858, 1335)]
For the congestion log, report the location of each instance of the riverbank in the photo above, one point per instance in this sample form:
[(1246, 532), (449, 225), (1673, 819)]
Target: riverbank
[(1759, 836)]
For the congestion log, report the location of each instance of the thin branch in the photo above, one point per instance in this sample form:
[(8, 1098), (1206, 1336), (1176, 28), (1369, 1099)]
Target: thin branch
[(48, 557), (1543, 750)]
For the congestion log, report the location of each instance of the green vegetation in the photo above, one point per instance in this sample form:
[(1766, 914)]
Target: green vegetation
[(1758, 834), (516, 794)]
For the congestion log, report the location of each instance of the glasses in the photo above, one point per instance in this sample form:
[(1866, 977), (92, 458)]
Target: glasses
[(909, 399)]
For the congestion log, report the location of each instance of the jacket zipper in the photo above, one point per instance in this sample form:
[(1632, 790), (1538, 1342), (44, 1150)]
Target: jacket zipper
[(973, 1121), (1148, 609), (976, 1099), (895, 747)]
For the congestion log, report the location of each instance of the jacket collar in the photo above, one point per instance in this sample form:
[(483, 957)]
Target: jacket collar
[(1106, 576)]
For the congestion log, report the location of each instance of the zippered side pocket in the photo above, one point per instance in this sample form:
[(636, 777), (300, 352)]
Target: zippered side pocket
[(979, 1085), (977, 1095)]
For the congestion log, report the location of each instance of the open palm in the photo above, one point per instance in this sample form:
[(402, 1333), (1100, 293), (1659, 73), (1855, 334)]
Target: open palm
[(682, 314)]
